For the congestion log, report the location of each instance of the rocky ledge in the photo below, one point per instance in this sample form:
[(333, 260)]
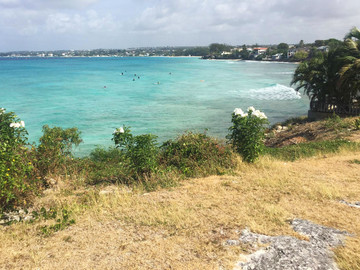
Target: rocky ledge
[(286, 252)]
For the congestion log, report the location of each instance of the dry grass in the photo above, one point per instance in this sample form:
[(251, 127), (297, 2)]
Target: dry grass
[(315, 131), (185, 227)]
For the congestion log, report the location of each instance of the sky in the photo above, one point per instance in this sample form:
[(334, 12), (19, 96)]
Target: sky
[(120, 24)]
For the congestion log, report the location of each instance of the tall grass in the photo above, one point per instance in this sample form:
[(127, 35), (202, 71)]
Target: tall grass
[(309, 149)]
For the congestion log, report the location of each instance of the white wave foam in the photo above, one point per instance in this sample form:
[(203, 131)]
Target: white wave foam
[(274, 92), (284, 73)]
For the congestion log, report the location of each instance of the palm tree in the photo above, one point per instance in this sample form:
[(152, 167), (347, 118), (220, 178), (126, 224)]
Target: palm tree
[(332, 77), (316, 77), (349, 73)]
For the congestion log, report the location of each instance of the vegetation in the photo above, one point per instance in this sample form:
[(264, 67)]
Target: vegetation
[(55, 148), (205, 211), (247, 133), (16, 168), (333, 76), (310, 149), (202, 211), (138, 159), (195, 155), (186, 227)]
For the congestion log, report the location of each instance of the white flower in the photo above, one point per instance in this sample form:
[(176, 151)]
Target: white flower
[(15, 125), (2, 110), (262, 115), (240, 112), (259, 114), (256, 113), (251, 108), (22, 123), (119, 130)]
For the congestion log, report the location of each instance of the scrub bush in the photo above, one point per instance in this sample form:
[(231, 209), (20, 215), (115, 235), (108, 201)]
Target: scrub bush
[(140, 151), (195, 154), (16, 169), (55, 148), (247, 133)]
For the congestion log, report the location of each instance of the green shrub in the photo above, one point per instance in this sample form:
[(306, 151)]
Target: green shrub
[(16, 169), (247, 133), (141, 151), (194, 154), (106, 155), (55, 148)]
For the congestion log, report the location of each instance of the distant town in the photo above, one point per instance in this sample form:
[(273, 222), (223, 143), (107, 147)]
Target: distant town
[(280, 52)]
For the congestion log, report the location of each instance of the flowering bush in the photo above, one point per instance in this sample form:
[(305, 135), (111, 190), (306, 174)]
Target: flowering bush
[(15, 166), (141, 151), (247, 133)]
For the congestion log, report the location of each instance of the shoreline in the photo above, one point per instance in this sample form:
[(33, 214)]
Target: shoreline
[(254, 61)]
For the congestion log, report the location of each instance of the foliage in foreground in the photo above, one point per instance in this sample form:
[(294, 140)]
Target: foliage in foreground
[(55, 148), (22, 165), (247, 133), (138, 159), (16, 169), (24, 168), (196, 154)]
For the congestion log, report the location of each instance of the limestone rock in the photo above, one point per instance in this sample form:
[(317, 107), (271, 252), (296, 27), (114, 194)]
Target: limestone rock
[(286, 252)]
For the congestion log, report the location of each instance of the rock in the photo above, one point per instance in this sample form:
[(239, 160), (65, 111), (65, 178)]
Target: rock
[(285, 128), (318, 234), (286, 252), (355, 204), (19, 215)]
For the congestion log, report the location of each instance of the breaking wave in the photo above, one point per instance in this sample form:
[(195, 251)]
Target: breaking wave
[(274, 92)]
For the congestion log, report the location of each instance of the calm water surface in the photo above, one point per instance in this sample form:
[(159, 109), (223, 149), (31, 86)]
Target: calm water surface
[(166, 97)]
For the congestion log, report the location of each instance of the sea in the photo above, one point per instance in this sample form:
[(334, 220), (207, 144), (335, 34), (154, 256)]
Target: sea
[(165, 96)]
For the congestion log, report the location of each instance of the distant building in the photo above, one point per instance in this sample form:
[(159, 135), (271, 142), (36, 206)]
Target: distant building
[(259, 50), (277, 56), (291, 52)]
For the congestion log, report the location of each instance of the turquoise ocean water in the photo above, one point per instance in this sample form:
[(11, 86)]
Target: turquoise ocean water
[(192, 94)]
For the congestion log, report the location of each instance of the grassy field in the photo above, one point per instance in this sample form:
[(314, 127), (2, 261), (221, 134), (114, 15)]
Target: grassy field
[(183, 222), (185, 227)]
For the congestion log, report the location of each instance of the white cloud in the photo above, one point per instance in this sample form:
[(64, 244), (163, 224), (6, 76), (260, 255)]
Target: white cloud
[(46, 4), (176, 22)]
